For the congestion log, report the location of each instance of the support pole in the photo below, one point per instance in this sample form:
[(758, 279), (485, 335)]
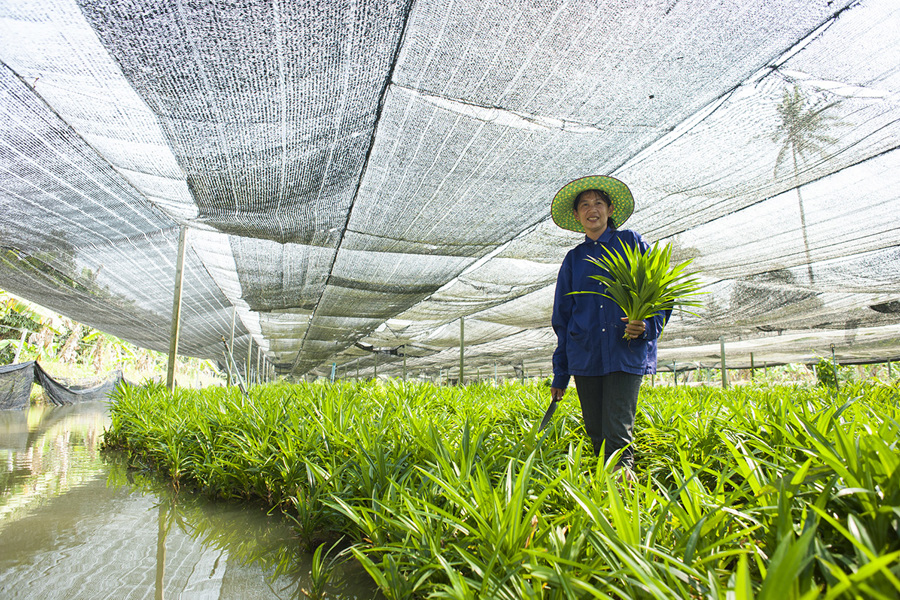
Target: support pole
[(176, 309), (724, 372), (837, 385), (249, 377), (229, 357), (20, 346), (752, 367), (375, 376), (333, 369), (462, 348), (404, 362), (259, 364), (227, 365), (231, 345)]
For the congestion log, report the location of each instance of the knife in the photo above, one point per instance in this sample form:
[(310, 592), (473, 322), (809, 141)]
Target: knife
[(550, 410)]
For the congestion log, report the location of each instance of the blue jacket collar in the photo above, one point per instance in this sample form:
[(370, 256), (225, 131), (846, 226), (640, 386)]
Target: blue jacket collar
[(605, 237)]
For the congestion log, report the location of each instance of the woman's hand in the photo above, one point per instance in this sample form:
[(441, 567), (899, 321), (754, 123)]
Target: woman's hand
[(634, 329)]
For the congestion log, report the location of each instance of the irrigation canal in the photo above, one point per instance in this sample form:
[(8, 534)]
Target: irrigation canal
[(74, 523)]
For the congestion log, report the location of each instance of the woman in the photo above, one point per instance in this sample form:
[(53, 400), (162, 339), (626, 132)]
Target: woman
[(605, 352)]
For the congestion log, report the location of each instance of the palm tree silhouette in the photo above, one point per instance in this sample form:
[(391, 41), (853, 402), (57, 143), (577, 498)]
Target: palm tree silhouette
[(800, 135)]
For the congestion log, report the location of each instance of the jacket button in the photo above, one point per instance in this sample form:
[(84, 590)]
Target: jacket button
[(602, 330)]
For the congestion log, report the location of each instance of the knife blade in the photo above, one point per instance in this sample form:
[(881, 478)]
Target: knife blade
[(547, 415)]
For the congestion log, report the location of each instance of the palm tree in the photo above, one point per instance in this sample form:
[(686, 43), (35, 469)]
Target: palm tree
[(800, 134)]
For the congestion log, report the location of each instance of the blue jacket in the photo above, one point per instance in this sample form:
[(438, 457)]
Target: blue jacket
[(588, 327)]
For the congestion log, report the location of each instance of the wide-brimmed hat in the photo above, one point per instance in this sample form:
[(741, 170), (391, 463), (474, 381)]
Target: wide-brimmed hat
[(562, 209)]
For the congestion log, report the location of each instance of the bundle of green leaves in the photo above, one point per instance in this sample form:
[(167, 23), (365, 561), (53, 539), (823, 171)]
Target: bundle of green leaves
[(644, 284)]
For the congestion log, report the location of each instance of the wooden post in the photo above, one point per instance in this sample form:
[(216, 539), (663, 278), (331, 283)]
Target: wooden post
[(231, 346), (259, 364), (752, 367), (249, 377), (375, 376), (227, 364), (176, 309), (20, 346), (837, 385), (404, 361), (462, 348), (724, 372), (675, 372)]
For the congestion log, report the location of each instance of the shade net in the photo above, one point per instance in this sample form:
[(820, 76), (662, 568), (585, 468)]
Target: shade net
[(361, 182), (16, 381)]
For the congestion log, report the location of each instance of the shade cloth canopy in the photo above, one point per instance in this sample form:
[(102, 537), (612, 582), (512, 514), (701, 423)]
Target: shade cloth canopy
[(358, 176)]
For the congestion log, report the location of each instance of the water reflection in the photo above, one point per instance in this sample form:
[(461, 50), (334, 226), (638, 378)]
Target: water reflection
[(75, 523)]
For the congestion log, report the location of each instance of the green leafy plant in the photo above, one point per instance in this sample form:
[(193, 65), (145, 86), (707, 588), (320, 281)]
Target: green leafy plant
[(645, 284), (825, 373), (773, 492), (323, 572)]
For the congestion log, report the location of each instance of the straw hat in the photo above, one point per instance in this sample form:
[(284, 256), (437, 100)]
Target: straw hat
[(562, 209)]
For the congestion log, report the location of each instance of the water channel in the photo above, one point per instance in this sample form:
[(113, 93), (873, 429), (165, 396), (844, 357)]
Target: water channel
[(75, 523)]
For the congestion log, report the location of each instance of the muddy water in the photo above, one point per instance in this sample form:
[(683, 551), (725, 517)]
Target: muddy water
[(75, 524)]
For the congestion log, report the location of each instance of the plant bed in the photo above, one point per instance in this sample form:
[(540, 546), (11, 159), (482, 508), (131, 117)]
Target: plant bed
[(454, 493)]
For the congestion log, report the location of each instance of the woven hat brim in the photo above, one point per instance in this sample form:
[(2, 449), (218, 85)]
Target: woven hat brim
[(561, 208)]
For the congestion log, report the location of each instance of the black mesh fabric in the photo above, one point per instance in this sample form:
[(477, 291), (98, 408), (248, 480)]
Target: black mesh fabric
[(16, 381), (60, 394), (15, 385)]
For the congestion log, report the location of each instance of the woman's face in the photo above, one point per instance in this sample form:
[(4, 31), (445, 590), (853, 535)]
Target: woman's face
[(592, 212)]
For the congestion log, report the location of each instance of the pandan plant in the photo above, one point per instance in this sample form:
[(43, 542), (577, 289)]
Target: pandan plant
[(643, 284)]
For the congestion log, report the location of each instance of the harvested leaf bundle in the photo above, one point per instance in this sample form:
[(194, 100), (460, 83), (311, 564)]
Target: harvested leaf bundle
[(643, 284)]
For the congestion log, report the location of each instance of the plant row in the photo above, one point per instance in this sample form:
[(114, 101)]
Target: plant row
[(454, 493)]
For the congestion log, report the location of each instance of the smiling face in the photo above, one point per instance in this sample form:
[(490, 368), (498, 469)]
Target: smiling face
[(593, 210)]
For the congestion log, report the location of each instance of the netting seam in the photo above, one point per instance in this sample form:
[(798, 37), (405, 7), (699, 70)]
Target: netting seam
[(382, 100)]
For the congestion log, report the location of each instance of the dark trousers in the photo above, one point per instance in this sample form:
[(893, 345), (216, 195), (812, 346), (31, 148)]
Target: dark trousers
[(608, 404)]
